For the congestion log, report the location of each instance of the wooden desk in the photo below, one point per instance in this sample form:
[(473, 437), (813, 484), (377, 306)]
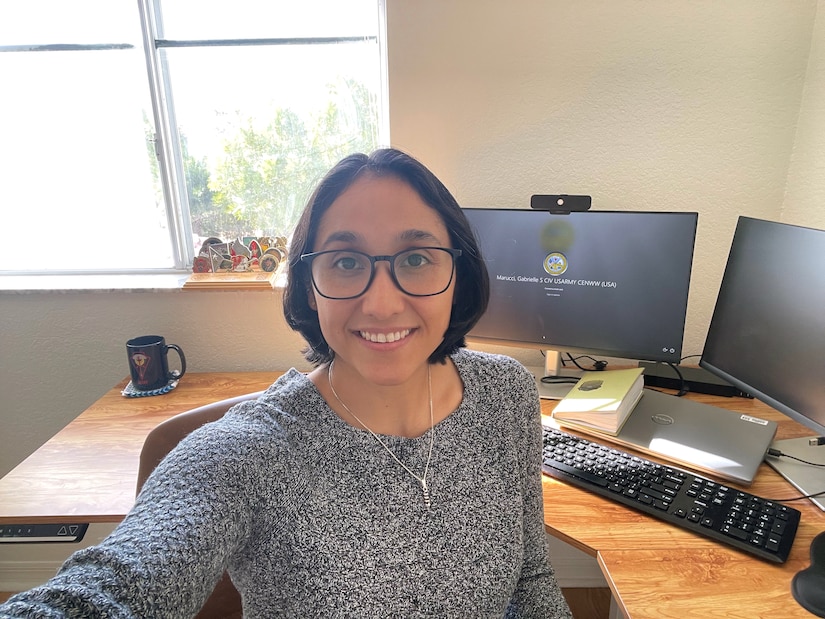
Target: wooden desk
[(658, 571), (88, 471)]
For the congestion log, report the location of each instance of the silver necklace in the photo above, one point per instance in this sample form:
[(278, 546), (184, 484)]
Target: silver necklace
[(421, 480)]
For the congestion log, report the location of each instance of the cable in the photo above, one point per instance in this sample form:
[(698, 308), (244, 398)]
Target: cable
[(552, 380), (598, 364), (798, 498), (776, 453), (683, 386)]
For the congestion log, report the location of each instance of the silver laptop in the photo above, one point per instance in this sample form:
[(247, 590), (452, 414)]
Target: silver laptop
[(714, 441)]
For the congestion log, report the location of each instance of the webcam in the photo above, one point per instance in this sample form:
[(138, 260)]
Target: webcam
[(560, 204)]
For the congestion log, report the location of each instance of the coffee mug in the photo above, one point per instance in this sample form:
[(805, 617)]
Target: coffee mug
[(148, 363)]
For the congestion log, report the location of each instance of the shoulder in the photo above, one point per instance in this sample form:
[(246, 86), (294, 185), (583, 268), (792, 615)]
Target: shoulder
[(257, 427), (495, 379), (481, 366), (502, 396), (251, 449)]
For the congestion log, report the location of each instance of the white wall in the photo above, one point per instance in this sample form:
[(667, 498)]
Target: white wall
[(805, 197), (660, 104), (59, 352), (663, 105)]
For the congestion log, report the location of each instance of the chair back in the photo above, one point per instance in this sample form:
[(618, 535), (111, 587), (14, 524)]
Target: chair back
[(225, 601)]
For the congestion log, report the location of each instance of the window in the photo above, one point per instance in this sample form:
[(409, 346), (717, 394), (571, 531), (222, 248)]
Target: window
[(133, 131)]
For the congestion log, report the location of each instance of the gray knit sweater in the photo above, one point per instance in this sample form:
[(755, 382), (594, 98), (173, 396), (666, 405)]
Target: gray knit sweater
[(313, 518)]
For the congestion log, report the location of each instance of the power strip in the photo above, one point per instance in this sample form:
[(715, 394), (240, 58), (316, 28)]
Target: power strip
[(698, 380)]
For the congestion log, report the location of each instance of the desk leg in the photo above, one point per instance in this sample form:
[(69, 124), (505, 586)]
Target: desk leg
[(615, 613)]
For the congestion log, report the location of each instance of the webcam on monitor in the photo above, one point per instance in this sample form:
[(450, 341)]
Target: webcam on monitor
[(560, 204)]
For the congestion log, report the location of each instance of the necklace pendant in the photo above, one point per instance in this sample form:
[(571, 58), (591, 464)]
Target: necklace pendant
[(426, 491), (423, 479)]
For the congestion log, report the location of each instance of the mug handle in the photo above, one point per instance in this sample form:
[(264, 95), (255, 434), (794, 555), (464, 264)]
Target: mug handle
[(176, 348)]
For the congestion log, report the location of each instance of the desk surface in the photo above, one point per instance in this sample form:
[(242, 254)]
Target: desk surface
[(658, 571), (89, 469)]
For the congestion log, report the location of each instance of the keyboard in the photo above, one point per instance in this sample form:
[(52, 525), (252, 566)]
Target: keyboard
[(763, 528)]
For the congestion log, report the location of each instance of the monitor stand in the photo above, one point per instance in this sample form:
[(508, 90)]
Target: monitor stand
[(559, 379), (804, 477)]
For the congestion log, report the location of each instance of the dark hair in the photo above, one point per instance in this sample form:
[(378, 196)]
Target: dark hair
[(472, 287)]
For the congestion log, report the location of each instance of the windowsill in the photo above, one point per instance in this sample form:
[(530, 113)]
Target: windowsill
[(126, 282), (30, 284)]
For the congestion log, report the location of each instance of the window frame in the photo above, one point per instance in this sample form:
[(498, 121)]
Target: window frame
[(167, 137), (167, 144)]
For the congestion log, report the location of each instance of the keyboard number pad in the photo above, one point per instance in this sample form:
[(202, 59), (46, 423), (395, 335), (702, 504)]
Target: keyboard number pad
[(758, 522)]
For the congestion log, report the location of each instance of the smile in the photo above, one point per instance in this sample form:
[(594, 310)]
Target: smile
[(384, 338)]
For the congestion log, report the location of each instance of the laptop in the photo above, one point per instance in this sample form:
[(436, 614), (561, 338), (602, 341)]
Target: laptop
[(712, 440)]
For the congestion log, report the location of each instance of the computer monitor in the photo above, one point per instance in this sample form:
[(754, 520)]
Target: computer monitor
[(604, 283), (767, 335)]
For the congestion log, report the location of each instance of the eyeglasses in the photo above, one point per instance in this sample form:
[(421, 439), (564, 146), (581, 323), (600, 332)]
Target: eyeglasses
[(347, 274)]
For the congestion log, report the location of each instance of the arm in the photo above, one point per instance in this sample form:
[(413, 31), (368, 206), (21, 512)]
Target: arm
[(166, 556), (537, 593)]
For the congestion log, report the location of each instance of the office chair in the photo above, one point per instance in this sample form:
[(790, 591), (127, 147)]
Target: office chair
[(225, 601)]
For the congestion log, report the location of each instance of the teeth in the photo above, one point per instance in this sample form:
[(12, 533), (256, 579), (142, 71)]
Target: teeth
[(383, 338)]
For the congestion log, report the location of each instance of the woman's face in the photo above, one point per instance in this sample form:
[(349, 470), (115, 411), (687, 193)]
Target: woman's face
[(384, 335)]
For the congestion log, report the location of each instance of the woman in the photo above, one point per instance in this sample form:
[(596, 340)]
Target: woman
[(401, 477)]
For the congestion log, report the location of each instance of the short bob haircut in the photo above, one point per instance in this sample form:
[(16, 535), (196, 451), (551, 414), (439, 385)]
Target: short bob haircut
[(472, 286)]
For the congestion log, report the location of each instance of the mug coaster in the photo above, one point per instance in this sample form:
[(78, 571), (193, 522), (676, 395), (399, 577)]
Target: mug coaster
[(130, 392)]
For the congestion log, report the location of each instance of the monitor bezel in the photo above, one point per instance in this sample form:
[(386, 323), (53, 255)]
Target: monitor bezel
[(553, 348), (724, 374)]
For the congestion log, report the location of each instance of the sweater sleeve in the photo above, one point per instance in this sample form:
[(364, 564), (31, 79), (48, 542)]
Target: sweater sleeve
[(166, 556), (537, 593)]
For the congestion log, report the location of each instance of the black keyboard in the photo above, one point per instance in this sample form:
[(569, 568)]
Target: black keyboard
[(763, 528)]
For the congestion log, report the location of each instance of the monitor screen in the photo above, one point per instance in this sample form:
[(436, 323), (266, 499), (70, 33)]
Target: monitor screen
[(767, 334), (595, 282)]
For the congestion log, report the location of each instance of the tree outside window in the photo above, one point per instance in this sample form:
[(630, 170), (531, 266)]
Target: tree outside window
[(135, 134)]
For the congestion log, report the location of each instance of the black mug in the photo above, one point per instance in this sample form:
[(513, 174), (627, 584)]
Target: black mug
[(148, 363)]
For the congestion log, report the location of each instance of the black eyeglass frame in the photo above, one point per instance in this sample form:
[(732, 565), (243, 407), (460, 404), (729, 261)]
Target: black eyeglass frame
[(308, 258)]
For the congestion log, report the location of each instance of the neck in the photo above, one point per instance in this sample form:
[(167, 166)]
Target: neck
[(399, 410)]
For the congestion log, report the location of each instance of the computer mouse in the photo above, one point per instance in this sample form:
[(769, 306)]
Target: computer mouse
[(808, 585)]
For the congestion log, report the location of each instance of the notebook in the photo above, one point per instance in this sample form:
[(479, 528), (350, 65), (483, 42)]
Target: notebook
[(715, 441)]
